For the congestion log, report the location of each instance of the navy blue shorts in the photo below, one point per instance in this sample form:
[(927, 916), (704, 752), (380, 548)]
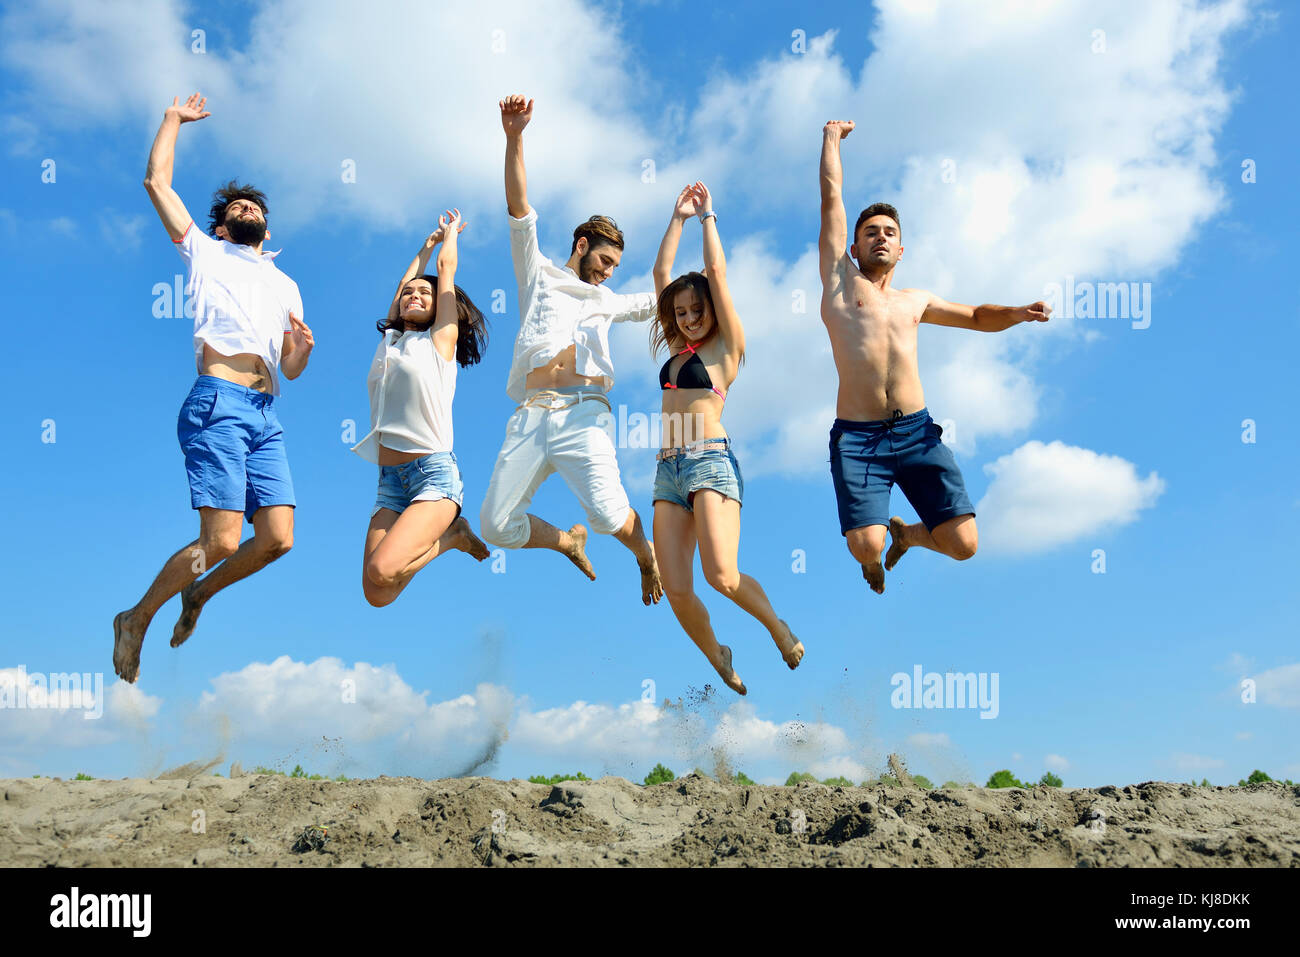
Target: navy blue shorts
[(867, 458)]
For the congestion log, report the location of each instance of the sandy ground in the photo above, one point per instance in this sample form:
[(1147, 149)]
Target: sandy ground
[(259, 820)]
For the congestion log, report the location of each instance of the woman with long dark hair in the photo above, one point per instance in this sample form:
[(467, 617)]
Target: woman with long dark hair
[(698, 486), (432, 327)]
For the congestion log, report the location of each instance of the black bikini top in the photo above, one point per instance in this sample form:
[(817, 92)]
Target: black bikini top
[(692, 374)]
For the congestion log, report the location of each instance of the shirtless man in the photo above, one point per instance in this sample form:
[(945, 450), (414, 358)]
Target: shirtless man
[(247, 329), (883, 433), (559, 376)]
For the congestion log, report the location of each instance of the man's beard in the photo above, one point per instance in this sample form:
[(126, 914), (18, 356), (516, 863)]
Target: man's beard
[(246, 232), (586, 271)]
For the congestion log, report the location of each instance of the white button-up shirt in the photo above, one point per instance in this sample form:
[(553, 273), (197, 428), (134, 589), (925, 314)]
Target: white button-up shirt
[(241, 301), (411, 390), (558, 310)]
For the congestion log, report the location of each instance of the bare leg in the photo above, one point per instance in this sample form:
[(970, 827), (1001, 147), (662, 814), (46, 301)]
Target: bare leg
[(572, 544), (218, 538), (865, 544), (674, 544), (272, 538), (399, 546), (633, 537), (717, 527), (957, 538)]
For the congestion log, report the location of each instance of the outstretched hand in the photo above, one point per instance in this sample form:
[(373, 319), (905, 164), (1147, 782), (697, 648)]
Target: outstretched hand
[(450, 224), (189, 111), (703, 198), (843, 127), (516, 111), (1036, 312), (685, 206)]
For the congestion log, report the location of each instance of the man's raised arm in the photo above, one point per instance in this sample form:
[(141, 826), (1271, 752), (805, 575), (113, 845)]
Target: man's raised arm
[(516, 111), (158, 177), (834, 237), (981, 318)]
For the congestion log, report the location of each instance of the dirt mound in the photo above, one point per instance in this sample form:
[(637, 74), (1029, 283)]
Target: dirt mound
[(271, 820)]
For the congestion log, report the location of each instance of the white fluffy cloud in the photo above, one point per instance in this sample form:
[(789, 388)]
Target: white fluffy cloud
[(42, 710), (1056, 762), (1043, 496), (1279, 686)]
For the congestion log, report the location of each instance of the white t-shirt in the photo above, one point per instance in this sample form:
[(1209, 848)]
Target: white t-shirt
[(241, 301), (558, 310), (411, 389)]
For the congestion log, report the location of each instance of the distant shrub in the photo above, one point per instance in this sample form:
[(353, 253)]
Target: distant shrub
[(1256, 777), (83, 777), (555, 779), (743, 778), (1050, 779), (659, 775), (1003, 779), (797, 776), (840, 782), (921, 781)]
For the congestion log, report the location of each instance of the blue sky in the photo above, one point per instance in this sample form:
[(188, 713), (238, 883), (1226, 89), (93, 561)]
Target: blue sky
[(1020, 149)]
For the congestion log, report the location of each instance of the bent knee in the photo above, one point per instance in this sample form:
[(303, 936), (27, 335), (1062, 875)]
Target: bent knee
[(277, 547), (726, 583), (375, 597), (381, 575), (678, 595), (218, 549), (963, 550), (503, 532), (609, 521)]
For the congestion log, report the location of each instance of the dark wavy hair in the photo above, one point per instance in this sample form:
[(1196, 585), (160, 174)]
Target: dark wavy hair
[(226, 195), (471, 326), (664, 332), (599, 231)]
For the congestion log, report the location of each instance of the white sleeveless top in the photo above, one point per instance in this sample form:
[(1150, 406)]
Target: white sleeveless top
[(411, 388)]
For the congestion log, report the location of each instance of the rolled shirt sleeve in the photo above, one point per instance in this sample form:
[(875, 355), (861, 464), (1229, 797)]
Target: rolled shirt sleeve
[(634, 307)]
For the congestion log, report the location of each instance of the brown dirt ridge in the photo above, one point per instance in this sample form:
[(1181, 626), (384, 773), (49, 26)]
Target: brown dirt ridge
[(267, 820)]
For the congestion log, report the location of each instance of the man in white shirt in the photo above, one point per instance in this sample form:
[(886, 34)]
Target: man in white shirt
[(560, 374), (247, 329)]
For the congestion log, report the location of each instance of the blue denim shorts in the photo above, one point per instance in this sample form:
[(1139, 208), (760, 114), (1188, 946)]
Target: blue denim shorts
[(867, 458), (234, 448), (425, 479), (679, 478)]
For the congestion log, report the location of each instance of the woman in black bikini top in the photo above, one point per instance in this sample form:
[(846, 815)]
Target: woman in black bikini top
[(698, 485)]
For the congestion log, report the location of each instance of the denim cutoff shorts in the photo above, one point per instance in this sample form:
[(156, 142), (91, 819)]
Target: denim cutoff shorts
[(679, 478), (426, 479)]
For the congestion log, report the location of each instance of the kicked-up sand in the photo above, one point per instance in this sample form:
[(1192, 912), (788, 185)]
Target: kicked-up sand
[(270, 820)]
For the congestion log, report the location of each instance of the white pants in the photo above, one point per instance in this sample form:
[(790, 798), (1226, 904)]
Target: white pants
[(540, 441)]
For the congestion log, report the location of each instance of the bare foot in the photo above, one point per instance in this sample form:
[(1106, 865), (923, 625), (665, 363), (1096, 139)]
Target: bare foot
[(126, 648), (463, 538), (875, 576), (652, 589), (897, 529), (791, 648), (727, 673), (577, 550), (189, 616)]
